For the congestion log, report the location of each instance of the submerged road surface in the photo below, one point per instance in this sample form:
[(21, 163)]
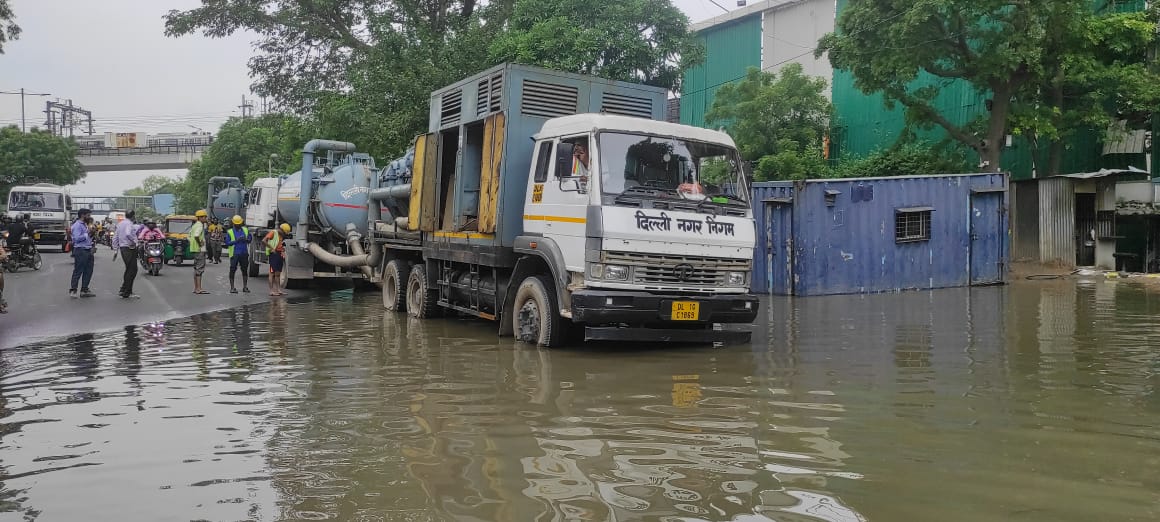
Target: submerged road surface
[(39, 305)]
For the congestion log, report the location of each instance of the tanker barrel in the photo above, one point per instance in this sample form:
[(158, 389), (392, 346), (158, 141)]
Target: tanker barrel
[(307, 180)]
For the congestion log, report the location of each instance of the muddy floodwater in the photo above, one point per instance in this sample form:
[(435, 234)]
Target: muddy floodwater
[(1032, 402)]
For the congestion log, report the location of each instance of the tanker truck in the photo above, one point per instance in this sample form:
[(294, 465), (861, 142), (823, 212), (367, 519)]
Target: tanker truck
[(551, 203)]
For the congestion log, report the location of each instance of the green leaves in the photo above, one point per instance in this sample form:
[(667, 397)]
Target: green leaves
[(9, 31), (38, 155), (644, 41), (778, 120)]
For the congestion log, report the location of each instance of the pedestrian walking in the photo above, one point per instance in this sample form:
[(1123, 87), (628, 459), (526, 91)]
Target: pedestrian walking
[(197, 245), (126, 244), (3, 303), (238, 240), (276, 252), (216, 235), (83, 254)]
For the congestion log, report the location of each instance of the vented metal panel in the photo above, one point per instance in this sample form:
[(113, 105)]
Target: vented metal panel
[(450, 108), (489, 96), (612, 103), (548, 100)]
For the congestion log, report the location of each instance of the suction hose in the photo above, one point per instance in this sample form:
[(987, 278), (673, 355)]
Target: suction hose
[(360, 259)]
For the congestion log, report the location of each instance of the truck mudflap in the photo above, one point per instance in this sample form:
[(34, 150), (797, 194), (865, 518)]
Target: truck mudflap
[(597, 307)]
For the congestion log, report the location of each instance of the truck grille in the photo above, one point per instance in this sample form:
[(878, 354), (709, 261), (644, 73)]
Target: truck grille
[(676, 271)]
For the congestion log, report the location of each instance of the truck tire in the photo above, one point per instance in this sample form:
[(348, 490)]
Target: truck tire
[(421, 298), (394, 281), (535, 317), (254, 268)]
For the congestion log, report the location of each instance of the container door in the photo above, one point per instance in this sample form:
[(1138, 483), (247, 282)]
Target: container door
[(779, 247), (987, 236)]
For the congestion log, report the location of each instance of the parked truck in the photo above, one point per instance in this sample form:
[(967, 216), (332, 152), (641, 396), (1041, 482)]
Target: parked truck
[(545, 201)]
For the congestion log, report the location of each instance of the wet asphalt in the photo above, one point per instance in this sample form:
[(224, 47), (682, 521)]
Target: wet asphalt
[(39, 306)]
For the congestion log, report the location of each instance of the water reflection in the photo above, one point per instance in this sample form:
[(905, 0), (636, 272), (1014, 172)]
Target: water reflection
[(1033, 402)]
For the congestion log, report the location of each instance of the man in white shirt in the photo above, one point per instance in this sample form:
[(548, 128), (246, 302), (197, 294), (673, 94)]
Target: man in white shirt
[(126, 244)]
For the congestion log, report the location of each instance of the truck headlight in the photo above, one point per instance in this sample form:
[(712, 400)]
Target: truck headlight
[(595, 271), (736, 279), (615, 273)]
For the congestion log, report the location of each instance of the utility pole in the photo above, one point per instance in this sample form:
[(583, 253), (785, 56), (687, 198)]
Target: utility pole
[(23, 93), (60, 116), (246, 107)]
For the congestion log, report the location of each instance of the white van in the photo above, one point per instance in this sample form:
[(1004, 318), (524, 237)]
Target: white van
[(49, 208)]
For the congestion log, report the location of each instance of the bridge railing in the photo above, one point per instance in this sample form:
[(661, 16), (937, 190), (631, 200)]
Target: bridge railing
[(142, 151)]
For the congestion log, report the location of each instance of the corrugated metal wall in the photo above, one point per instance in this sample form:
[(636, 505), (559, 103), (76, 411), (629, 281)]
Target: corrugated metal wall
[(849, 246), (730, 49), (1025, 220), (1057, 221)]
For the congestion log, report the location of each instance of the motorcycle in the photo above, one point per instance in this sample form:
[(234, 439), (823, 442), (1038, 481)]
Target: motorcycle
[(23, 255), (152, 257)]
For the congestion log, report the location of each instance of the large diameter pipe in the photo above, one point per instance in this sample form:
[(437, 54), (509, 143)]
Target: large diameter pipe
[(307, 181), (360, 259), (395, 191)]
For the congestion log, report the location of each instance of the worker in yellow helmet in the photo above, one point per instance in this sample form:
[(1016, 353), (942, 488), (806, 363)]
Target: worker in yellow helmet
[(238, 240), (197, 245), (276, 252)]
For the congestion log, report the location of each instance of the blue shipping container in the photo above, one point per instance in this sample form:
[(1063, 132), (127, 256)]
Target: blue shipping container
[(866, 235)]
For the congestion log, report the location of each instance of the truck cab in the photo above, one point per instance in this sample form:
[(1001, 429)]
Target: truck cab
[(651, 220), (49, 208)]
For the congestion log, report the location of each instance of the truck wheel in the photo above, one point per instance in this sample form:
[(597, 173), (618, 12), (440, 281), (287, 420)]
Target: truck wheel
[(177, 261), (394, 277), (536, 318), (254, 268), (421, 298)]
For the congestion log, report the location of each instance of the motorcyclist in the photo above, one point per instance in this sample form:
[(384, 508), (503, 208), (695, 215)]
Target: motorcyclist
[(150, 232), (16, 232)]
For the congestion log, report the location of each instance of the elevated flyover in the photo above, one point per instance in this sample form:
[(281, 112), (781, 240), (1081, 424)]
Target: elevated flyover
[(152, 157)]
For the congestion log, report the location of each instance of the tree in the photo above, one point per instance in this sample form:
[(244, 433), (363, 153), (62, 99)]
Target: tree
[(996, 46), (776, 120), (36, 155), (155, 185), (9, 31), (645, 41), (241, 147)]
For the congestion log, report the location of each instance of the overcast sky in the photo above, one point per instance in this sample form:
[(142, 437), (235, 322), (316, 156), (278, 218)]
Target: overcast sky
[(112, 57)]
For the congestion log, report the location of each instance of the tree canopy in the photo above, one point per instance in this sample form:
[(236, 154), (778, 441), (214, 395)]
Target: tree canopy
[(155, 185), (1012, 52), (243, 148), (645, 41), (362, 70), (36, 155), (776, 120), (9, 31)]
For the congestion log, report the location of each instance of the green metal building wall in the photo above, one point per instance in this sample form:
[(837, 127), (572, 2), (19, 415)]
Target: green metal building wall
[(863, 124), (730, 49)]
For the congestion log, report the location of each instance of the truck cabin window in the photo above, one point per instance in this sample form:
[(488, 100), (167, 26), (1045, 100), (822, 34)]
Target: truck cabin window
[(45, 201), (669, 168)]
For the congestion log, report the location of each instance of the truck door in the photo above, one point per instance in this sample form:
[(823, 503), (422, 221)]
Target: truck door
[(559, 204)]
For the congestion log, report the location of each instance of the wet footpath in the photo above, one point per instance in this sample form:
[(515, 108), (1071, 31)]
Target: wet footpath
[(1036, 401)]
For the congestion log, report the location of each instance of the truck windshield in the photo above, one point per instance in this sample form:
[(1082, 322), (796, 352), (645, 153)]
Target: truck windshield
[(633, 164), (43, 201)]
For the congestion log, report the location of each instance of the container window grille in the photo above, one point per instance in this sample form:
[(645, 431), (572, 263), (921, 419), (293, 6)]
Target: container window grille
[(626, 105), (548, 100), (912, 225), (1106, 224), (489, 95), (450, 108)]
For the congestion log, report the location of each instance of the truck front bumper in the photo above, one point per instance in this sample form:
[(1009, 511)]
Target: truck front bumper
[(644, 316)]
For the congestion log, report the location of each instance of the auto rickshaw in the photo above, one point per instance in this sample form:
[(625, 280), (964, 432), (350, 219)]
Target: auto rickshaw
[(177, 238)]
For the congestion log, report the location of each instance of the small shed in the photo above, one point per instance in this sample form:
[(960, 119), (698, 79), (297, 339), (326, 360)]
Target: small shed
[(868, 235)]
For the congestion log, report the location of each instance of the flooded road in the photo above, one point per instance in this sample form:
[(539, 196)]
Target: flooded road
[(1036, 402)]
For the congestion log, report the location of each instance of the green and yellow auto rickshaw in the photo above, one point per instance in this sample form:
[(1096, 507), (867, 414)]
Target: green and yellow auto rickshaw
[(177, 238)]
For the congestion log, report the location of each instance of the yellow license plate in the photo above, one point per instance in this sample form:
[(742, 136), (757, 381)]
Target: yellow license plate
[(686, 311)]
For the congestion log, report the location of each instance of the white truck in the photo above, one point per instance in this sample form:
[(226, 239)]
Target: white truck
[(498, 213), (49, 207)]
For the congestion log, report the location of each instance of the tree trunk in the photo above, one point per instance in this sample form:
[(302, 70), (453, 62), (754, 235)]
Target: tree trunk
[(991, 150), (1055, 154)]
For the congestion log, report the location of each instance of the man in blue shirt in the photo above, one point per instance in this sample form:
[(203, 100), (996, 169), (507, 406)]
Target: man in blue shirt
[(82, 251), (126, 243), (238, 240)]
